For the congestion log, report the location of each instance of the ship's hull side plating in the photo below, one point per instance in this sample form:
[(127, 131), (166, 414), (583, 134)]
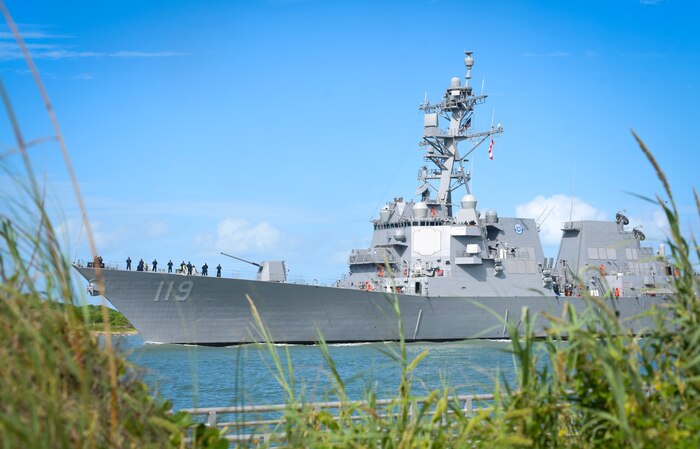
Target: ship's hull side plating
[(216, 311)]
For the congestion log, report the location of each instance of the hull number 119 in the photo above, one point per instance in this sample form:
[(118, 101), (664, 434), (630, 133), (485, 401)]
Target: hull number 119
[(165, 289)]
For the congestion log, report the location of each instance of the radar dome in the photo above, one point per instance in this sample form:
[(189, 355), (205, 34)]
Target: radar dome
[(468, 201), (420, 210), (469, 61), (399, 235), (491, 217), (454, 82)]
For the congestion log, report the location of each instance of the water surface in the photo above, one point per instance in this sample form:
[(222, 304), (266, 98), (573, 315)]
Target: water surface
[(200, 376)]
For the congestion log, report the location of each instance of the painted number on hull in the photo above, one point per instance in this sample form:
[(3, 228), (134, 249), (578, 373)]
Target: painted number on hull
[(181, 294)]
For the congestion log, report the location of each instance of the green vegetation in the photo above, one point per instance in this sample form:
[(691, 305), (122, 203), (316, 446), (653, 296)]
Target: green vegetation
[(60, 388), (95, 319)]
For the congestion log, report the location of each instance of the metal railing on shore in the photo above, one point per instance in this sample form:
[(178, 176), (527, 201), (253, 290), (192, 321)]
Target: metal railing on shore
[(257, 423)]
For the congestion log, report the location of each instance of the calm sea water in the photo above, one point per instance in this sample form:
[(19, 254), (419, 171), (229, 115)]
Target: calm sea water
[(192, 376)]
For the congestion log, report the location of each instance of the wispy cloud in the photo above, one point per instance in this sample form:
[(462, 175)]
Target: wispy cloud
[(57, 54), (69, 54), (32, 32), (591, 54), (554, 54), (650, 2), (49, 46), (12, 46)]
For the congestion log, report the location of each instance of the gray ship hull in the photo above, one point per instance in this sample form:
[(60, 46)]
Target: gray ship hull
[(169, 308)]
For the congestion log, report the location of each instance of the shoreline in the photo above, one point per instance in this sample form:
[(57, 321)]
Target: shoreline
[(115, 332)]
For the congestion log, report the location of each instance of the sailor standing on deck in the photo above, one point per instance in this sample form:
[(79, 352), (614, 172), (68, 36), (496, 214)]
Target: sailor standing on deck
[(128, 263), (183, 267), (218, 271), (170, 266), (205, 267), (189, 267), (155, 265)]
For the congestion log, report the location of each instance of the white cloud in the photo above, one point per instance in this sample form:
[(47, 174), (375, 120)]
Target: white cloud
[(560, 206), (660, 220), (239, 235)]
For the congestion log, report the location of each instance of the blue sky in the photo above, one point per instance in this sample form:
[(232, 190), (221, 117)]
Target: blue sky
[(277, 129)]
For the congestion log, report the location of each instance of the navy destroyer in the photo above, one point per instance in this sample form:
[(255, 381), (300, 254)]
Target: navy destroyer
[(454, 271)]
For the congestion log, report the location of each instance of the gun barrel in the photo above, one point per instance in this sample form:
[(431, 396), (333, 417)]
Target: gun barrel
[(242, 260)]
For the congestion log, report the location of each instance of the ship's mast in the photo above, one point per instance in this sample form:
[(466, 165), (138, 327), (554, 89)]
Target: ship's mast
[(457, 106)]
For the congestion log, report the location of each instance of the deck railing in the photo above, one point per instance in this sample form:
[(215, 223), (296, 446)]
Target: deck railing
[(230, 274)]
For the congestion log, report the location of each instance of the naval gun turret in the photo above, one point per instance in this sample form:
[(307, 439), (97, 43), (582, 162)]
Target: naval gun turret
[(270, 271)]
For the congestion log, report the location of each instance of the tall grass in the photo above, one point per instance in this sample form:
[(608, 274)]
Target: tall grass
[(55, 387)]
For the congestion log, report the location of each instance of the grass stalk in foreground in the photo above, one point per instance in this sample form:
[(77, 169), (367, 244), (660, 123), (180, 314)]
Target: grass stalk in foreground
[(57, 390)]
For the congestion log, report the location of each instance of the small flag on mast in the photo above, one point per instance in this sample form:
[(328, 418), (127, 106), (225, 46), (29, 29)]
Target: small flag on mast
[(491, 150), (467, 124)]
